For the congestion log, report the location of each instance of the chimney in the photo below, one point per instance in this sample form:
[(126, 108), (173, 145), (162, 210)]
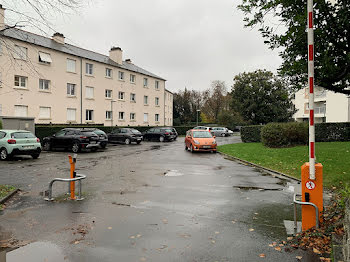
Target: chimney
[(128, 61), (116, 54), (2, 18), (58, 37)]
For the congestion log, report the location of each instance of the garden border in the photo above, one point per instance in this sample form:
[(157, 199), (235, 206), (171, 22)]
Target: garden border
[(8, 196)]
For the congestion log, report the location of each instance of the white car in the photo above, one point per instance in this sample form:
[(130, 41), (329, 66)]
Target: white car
[(203, 128)]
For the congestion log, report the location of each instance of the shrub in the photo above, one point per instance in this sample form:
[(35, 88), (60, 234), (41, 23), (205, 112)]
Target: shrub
[(250, 134), (330, 132), (284, 134)]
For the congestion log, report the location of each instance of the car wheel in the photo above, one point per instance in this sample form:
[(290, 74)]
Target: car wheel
[(35, 156), (138, 142), (127, 141), (223, 134), (191, 148), (75, 147), (103, 146), (3, 154), (161, 139), (47, 146), (186, 148)]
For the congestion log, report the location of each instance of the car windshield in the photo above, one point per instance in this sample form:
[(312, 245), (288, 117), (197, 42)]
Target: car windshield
[(201, 134), (99, 132), (134, 131), (22, 135), (168, 130)]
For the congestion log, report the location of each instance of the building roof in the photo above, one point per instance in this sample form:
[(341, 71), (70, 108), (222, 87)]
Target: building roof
[(38, 40), (166, 90)]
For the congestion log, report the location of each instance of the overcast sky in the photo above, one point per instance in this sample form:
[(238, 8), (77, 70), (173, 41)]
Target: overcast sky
[(188, 42)]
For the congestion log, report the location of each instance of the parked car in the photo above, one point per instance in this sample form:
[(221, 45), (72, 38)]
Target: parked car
[(125, 135), (219, 131), (229, 132), (200, 140), (73, 139), (103, 138), (174, 132), (160, 134), (203, 128), (18, 142)]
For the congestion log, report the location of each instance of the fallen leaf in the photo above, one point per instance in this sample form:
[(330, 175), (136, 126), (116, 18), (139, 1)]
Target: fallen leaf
[(138, 235), (233, 222), (251, 229), (109, 227), (76, 242), (213, 241), (132, 237), (270, 245), (256, 213), (299, 257), (316, 251), (278, 248), (217, 232), (262, 255), (289, 238)]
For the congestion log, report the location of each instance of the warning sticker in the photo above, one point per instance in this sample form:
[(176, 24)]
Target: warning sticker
[(310, 185)]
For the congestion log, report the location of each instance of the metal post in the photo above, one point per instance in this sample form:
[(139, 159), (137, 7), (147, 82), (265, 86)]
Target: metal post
[(311, 52)]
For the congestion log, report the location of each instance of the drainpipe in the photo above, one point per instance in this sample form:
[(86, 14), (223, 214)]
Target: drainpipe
[(81, 90)]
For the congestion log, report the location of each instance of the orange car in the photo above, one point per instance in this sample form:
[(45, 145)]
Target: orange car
[(200, 140)]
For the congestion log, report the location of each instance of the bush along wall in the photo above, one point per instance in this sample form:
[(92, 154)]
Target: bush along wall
[(251, 134), (42, 131), (284, 134), (330, 132)]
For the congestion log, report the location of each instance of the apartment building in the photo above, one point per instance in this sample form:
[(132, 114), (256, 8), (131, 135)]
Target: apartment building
[(56, 82), (168, 108), (329, 106)]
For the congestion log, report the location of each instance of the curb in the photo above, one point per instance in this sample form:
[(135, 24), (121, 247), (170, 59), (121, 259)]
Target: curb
[(4, 199), (259, 167)]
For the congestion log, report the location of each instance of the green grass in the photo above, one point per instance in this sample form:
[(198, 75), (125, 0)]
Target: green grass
[(334, 156), (5, 189)]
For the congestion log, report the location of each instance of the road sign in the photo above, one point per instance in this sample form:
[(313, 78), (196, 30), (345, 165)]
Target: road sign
[(310, 185)]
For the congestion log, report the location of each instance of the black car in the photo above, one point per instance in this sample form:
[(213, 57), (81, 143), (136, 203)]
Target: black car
[(125, 135), (73, 139), (160, 134), (103, 138)]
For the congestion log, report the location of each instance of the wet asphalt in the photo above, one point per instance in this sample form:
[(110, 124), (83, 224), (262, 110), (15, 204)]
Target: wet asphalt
[(148, 202)]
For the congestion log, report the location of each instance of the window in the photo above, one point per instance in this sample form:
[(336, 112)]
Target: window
[(109, 72), (156, 117), (132, 78), (89, 69), (108, 115), (121, 115), (21, 111), (145, 100), (45, 58), (20, 52), (44, 112), (132, 116), (145, 82), (121, 95), (121, 75), (89, 92), (157, 85), (21, 81), (89, 115), (44, 84), (108, 93), (70, 89), (132, 97), (71, 113), (71, 65), (145, 117), (157, 101)]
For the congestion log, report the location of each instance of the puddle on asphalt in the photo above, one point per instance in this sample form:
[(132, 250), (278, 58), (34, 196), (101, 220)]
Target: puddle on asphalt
[(35, 252), (173, 173), (247, 188)]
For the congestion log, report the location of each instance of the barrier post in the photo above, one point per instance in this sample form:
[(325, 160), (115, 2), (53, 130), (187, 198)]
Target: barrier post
[(72, 161), (312, 191)]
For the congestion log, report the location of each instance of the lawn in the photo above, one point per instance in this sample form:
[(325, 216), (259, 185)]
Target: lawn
[(334, 156)]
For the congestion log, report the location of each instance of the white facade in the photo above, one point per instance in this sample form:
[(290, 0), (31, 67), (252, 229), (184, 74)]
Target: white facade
[(329, 106)]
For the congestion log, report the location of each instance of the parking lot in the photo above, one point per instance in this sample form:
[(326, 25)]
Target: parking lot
[(148, 202)]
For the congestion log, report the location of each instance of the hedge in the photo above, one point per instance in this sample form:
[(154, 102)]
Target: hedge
[(42, 131), (330, 132), (0, 124), (250, 134), (296, 132), (284, 134)]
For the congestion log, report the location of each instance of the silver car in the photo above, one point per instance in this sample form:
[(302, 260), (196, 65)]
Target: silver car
[(219, 131)]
